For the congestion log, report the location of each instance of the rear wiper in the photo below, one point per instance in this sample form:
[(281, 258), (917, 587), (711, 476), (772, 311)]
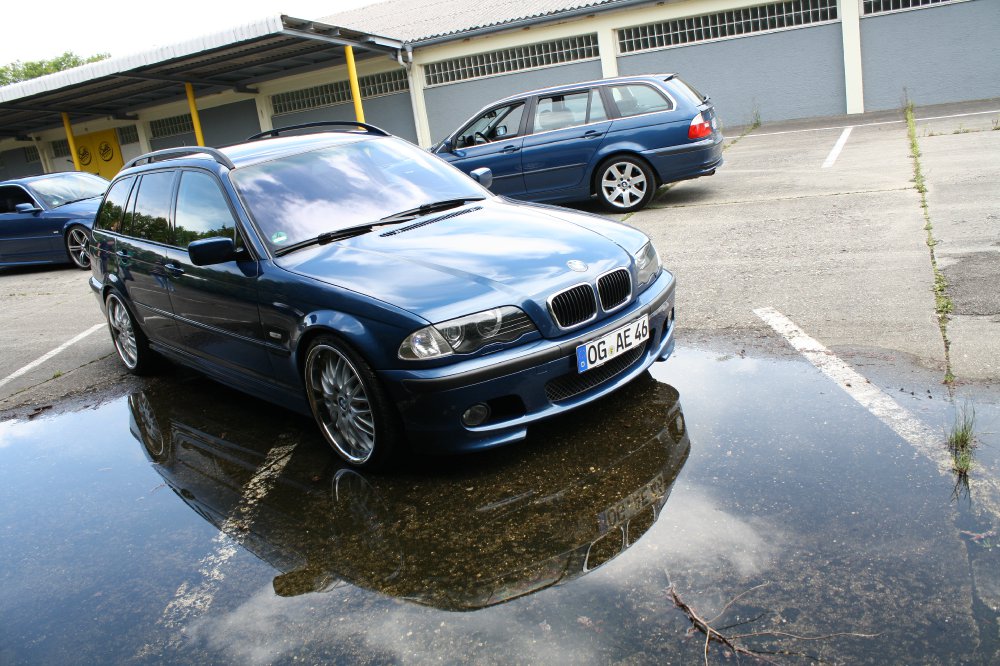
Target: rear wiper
[(327, 237), (427, 208)]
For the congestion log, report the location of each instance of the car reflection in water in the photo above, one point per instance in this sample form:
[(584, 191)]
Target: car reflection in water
[(457, 534)]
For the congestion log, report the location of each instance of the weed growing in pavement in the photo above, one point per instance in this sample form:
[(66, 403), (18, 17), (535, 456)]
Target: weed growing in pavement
[(962, 439), (754, 124), (996, 124), (943, 305)]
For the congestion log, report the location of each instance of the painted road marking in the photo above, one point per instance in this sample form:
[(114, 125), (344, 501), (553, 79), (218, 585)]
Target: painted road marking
[(42, 359), (837, 147), (751, 135), (884, 408)]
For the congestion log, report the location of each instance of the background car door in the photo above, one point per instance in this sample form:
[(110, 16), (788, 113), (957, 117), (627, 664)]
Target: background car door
[(27, 237), (215, 307), (492, 140), (566, 131), (140, 253)]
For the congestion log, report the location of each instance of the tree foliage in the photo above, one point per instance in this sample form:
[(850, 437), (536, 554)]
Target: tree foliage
[(22, 71)]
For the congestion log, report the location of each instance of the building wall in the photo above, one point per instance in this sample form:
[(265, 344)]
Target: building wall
[(393, 113), (221, 125), (779, 75), (937, 54), (13, 165), (449, 105)]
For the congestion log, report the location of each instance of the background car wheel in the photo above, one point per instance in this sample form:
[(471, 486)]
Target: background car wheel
[(130, 342), (624, 184), (349, 405), (76, 247)]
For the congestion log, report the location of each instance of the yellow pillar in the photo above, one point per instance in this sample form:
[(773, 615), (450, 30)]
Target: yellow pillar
[(71, 141), (198, 136), (352, 75)]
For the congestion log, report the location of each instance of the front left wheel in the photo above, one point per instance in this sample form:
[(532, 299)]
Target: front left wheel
[(76, 247), (350, 407)]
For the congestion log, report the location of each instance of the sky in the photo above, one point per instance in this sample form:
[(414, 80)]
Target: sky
[(47, 29)]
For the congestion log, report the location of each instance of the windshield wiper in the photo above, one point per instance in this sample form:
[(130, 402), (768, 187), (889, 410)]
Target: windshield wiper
[(66, 203), (327, 237), (427, 208)]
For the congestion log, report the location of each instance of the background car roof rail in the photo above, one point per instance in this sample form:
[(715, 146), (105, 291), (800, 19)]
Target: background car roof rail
[(171, 153), (322, 123)]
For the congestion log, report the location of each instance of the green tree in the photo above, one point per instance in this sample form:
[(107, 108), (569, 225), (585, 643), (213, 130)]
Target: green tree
[(22, 71)]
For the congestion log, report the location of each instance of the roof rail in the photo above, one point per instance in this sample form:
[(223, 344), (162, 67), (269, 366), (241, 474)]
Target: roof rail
[(172, 153), (323, 123)]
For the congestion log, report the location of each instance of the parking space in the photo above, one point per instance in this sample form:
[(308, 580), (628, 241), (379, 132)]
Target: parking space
[(789, 459)]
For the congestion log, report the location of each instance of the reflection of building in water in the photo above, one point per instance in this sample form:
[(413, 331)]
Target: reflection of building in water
[(484, 530)]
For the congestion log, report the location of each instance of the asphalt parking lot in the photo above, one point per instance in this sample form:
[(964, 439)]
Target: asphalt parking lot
[(795, 443)]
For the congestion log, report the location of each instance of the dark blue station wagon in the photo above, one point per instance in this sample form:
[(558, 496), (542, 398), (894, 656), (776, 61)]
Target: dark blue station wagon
[(352, 276), (615, 139)]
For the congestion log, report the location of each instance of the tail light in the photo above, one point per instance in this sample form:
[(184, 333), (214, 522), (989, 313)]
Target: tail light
[(699, 128)]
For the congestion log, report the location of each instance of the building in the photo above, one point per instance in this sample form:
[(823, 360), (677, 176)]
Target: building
[(424, 66)]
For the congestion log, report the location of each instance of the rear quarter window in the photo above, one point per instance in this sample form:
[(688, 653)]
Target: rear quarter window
[(634, 99)]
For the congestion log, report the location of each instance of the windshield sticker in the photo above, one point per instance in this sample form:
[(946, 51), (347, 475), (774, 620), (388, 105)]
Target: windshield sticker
[(279, 237)]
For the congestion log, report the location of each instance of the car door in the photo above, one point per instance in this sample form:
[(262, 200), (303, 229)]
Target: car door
[(28, 237), (140, 254), (492, 140), (215, 307), (567, 128)]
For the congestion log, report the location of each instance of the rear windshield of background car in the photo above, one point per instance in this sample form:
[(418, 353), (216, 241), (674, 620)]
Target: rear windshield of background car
[(299, 197), (689, 92)]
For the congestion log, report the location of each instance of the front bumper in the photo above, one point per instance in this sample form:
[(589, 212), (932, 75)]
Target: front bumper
[(525, 384)]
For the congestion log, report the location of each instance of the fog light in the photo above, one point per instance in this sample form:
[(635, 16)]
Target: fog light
[(476, 415)]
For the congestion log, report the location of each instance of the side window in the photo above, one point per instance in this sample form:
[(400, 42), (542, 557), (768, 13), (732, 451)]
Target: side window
[(561, 111), (109, 217), (202, 210), (496, 124), (597, 111), (151, 219), (11, 196), (636, 99)]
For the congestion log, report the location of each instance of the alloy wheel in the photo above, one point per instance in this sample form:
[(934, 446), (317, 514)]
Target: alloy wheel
[(340, 403)]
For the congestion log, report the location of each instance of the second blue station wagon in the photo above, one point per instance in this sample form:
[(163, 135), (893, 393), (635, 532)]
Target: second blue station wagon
[(356, 277), (615, 139)]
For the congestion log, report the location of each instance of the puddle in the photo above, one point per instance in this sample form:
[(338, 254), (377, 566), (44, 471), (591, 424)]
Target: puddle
[(187, 523)]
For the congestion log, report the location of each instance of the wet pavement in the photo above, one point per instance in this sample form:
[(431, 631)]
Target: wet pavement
[(185, 523)]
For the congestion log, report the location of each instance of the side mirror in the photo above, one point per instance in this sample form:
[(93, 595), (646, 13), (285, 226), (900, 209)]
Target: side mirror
[(27, 208), (483, 176), (446, 146), (210, 251)]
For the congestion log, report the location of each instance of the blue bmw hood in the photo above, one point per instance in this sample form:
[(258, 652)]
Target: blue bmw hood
[(86, 209), (482, 255)]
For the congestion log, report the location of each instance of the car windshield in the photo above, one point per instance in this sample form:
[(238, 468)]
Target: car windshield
[(67, 188), (296, 198)]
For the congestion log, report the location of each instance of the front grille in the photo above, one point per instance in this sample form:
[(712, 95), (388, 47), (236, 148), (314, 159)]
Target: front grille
[(568, 386), (614, 288), (574, 306)]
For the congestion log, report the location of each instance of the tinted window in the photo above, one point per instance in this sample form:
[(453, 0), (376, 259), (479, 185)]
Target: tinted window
[(202, 210), (110, 215), (11, 196), (151, 218), (495, 124), (298, 197), (560, 111), (634, 99)]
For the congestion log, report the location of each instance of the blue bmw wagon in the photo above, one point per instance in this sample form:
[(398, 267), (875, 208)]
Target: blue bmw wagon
[(615, 139), (349, 275)]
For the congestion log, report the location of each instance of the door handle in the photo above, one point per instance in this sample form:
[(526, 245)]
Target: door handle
[(510, 149), (122, 253), (590, 134), (174, 269)]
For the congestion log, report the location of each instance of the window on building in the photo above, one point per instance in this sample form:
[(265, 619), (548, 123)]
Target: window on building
[(516, 59)]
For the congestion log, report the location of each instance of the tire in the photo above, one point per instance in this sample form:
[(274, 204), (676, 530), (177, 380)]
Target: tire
[(349, 404), (76, 247), (624, 184), (129, 340)]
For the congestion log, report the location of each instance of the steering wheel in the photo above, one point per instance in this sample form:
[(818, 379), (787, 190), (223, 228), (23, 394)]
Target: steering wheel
[(479, 135)]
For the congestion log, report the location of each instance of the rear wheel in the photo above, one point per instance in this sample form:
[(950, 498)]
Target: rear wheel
[(625, 184), (76, 247), (349, 405), (130, 342)]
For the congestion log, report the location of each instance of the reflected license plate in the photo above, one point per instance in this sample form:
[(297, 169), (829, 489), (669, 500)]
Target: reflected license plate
[(633, 504), (598, 352)]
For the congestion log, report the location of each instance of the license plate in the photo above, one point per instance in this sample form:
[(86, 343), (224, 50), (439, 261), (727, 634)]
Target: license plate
[(633, 504), (598, 352)]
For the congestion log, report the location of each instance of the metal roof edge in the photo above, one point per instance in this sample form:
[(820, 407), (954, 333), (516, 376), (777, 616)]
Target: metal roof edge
[(526, 22)]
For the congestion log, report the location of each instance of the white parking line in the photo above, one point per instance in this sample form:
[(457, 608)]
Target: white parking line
[(837, 147), (42, 359), (884, 408)]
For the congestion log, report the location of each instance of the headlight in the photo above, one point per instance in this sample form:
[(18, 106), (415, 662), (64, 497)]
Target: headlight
[(648, 263), (465, 335)]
